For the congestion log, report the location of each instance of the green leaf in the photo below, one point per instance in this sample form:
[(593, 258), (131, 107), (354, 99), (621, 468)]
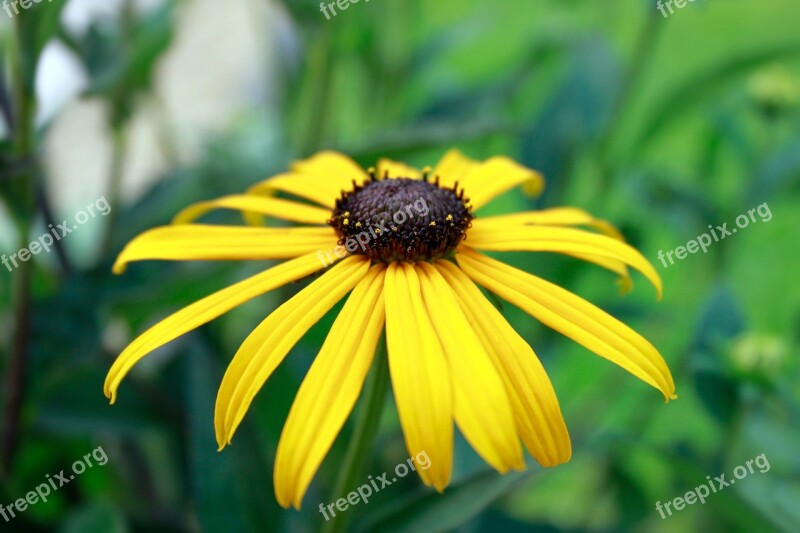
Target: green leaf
[(459, 504), (94, 518), (720, 321), (121, 62), (696, 91), (210, 473), (37, 25)]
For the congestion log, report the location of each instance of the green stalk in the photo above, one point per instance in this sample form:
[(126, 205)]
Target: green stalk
[(645, 46), (363, 437), (118, 138), (311, 105), (23, 150)]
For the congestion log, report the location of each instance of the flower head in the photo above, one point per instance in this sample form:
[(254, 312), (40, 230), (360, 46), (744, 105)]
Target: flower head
[(406, 245)]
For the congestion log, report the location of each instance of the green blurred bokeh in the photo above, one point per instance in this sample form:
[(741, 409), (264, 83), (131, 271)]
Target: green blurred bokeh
[(661, 125)]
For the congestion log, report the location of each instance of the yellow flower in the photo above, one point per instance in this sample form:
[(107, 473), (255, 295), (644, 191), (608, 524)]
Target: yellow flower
[(406, 247)]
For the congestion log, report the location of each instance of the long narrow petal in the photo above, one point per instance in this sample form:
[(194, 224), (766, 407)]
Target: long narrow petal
[(330, 389), (496, 176), (563, 216), (394, 169), (204, 311), (206, 242), (572, 316), (536, 409), (563, 240), (454, 167), (301, 186), (480, 404), (556, 216), (420, 375), (268, 344), (261, 205)]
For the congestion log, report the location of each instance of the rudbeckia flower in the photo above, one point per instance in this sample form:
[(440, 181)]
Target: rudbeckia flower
[(407, 246)]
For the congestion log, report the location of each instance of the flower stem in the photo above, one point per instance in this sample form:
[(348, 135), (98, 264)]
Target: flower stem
[(363, 436), (22, 127)]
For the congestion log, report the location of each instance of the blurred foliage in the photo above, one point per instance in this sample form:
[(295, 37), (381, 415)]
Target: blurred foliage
[(660, 125)]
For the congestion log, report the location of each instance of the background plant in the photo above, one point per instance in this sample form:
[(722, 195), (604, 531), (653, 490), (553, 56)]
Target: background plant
[(662, 126)]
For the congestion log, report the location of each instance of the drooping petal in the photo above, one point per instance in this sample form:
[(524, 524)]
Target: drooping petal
[(562, 240), (330, 389), (261, 205), (453, 167), (207, 242), (268, 344), (481, 407), (564, 216), (204, 311), (394, 169), (533, 400), (572, 316), (497, 175), (556, 216), (420, 375)]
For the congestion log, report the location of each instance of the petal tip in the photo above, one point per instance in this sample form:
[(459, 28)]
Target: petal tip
[(625, 284), (670, 397), (119, 267)]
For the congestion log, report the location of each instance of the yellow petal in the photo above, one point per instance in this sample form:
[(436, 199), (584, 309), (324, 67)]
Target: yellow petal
[(480, 404), (420, 375), (393, 169), (320, 178), (562, 240), (268, 344), (533, 400), (572, 316), (453, 168), (301, 186), (205, 242), (557, 216), (272, 207), (205, 310), (331, 168), (496, 176), (564, 216), (330, 389)]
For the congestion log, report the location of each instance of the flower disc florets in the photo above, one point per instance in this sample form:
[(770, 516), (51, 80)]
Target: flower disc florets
[(401, 219)]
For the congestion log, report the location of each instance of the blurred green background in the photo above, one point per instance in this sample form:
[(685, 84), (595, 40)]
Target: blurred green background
[(662, 125)]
